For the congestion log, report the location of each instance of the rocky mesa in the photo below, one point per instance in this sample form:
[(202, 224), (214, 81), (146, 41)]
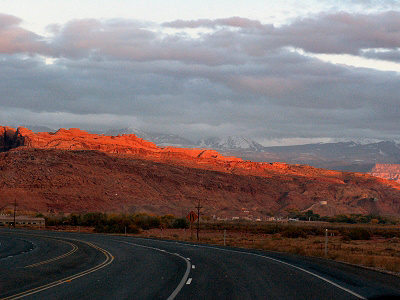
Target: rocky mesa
[(77, 139), (75, 171)]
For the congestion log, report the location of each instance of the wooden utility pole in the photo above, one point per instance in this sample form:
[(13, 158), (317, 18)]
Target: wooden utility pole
[(15, 209), (198, 218)]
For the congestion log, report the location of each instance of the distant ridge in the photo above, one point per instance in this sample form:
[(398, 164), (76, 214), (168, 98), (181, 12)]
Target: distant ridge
[(231, 143), (359, 156), (343, 156), (39, 128), (160, 139)]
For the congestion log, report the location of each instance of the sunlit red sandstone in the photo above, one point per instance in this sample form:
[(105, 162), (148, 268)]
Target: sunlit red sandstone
[(172, 178), (76, 139)]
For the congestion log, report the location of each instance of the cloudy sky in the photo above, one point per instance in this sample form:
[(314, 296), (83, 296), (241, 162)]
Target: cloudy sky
[(281, 72)]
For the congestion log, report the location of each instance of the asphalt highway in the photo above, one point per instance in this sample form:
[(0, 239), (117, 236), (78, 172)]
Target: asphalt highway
[(59, 265)]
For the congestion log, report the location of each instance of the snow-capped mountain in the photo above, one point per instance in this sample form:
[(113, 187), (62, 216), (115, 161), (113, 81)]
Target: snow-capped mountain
[(128, 130), (360, 156), (216, 143), (160, 139), (346, 156), (39, 128), (344, 150), (230, 143)]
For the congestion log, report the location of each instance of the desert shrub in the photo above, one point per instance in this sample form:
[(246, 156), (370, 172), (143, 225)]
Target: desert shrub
[(117, 224), (146, 222), (75, 219), (343, 219), (358, 234), (180, 223), (94, 219), (154, 222), (276, 237), (346, 238), (133, 229), (50, 221), (271, 229), (390, 233), (318, 231), (294, 232), (167, 221)]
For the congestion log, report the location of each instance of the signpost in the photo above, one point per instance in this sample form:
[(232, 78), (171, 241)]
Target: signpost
[(191, 217)]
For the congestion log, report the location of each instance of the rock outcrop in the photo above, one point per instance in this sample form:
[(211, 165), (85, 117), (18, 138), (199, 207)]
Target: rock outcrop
[(74, 171), (10, 138), (387, 171), (77, 139)]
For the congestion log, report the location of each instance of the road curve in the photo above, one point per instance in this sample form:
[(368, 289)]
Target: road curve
[(94, 266)]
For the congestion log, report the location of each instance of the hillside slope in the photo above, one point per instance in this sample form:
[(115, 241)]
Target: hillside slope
[(73, 171), (81, 181)]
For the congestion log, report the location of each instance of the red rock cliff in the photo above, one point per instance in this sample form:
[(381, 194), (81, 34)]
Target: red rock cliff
[(76, 139)]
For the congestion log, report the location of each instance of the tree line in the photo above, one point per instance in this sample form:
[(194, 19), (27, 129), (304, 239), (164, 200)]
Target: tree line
[(349, 219), (118, 223)]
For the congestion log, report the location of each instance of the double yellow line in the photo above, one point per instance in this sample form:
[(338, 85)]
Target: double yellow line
[(74, 249), (109, 259)]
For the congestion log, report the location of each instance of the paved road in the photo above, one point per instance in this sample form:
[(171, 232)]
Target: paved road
[(53, 265)]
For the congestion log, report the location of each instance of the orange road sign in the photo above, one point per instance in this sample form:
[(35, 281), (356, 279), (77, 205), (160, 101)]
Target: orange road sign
[(192, 216)]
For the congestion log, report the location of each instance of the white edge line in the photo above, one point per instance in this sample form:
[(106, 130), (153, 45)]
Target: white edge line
[(279, 261), (109, 260), (185, 276)]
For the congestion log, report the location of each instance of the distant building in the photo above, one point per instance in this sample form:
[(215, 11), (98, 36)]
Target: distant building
[(21, 220)]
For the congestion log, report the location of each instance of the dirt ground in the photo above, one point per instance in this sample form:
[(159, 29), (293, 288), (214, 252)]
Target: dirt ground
[(378, 253)]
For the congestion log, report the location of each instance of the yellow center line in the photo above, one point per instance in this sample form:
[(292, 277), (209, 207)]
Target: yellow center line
[(109, 259), (74, 249)]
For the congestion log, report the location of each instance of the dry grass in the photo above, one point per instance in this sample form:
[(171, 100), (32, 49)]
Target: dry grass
[(378, 253)]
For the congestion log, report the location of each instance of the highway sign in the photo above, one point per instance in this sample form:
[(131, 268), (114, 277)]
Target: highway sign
[(192, 216)]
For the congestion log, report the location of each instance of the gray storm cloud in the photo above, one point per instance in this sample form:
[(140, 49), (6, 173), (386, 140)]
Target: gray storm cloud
[(239, 75)]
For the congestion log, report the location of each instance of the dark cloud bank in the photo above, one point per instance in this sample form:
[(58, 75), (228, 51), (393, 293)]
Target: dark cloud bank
[(237, 77)]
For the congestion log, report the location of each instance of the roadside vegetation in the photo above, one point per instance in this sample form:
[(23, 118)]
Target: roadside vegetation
[(117, 223), (349, 219), (374, 244)]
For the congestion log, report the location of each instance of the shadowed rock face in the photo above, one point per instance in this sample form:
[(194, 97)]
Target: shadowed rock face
[(61, 172), (10, 138)]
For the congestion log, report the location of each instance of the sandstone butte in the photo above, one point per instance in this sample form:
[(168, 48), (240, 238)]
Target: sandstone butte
[(75, 171)]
